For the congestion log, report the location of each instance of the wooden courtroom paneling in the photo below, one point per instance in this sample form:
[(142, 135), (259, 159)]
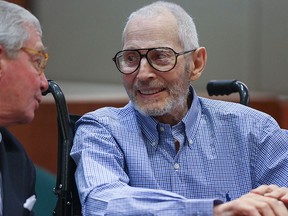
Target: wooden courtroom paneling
[(23, 3), (283, 113), (40, 136)]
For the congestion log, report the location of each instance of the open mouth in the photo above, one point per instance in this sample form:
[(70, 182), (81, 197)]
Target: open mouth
[(150, 91)]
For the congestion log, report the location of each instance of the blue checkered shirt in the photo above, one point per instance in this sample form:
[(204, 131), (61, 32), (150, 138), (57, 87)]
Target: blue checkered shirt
[(127, 163)]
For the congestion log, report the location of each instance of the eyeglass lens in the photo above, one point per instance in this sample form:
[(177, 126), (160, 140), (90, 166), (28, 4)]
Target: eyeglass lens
[(40, 58), (161, 59)]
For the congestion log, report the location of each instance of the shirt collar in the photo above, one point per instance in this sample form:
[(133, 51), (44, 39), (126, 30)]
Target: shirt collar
[(192, 118), (148, 126)]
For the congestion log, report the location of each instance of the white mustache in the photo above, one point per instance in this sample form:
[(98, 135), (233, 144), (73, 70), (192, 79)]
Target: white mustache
[(155, 84)]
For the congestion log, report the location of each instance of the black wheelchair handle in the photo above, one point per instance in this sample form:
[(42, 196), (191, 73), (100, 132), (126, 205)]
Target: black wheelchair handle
[(65, 132), (226, 87)]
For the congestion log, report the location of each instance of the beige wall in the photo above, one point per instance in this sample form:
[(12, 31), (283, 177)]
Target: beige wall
[(245, 39)]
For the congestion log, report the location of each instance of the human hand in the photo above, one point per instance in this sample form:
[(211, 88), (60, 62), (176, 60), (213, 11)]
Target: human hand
[(252, 204), (273, 191)]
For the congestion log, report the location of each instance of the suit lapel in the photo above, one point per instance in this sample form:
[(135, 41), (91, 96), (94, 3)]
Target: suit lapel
[(10, 165)]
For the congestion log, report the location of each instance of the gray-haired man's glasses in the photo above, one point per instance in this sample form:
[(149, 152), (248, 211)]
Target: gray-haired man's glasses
[(162, 59)]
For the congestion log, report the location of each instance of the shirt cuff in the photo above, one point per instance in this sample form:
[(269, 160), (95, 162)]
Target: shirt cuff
[(201, 207)]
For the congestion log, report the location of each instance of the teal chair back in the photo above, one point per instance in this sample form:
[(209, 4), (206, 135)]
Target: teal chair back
[(46, 199)]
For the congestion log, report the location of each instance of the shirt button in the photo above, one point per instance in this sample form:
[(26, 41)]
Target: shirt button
[(153, 143), (190, 141), (176, 166), (162, 129)]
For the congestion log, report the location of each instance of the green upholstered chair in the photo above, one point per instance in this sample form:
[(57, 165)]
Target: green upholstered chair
[(46, 199)]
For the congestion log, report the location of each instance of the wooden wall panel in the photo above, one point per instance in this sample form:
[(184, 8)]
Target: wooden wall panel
[(23, 3)]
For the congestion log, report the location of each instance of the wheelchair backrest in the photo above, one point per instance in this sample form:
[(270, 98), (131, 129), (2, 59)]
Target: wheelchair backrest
[(68, 203)]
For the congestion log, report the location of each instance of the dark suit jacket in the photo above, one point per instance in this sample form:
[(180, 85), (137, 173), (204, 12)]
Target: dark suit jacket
[(18, 176)]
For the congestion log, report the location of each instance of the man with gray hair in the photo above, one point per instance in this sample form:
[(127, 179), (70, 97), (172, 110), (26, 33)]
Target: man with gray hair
[(22, 62), (169, 151)]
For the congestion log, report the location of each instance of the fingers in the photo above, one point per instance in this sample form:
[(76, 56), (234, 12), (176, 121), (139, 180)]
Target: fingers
[(275, 205), (279, 208), (273, 191), (263, 189), (266, 200), (252, 204)]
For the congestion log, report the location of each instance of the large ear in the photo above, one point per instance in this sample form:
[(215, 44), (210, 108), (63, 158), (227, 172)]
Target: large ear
[(199, 63)]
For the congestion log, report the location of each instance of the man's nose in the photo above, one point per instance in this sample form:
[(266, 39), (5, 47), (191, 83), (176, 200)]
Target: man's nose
[(44, 83), (145, 70)]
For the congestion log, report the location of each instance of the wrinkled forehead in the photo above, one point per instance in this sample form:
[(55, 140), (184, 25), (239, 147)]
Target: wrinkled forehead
[(162, 20), (34, 39), (156, 30)]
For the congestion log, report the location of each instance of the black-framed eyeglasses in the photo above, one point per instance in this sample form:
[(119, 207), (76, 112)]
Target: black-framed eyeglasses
[(162, 59)]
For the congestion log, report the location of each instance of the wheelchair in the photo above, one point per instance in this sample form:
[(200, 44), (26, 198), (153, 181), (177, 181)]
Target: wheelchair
[(68, 203)]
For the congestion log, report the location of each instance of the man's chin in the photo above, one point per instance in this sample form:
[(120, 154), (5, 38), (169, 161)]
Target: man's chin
[(149, 110), (28, 118)]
